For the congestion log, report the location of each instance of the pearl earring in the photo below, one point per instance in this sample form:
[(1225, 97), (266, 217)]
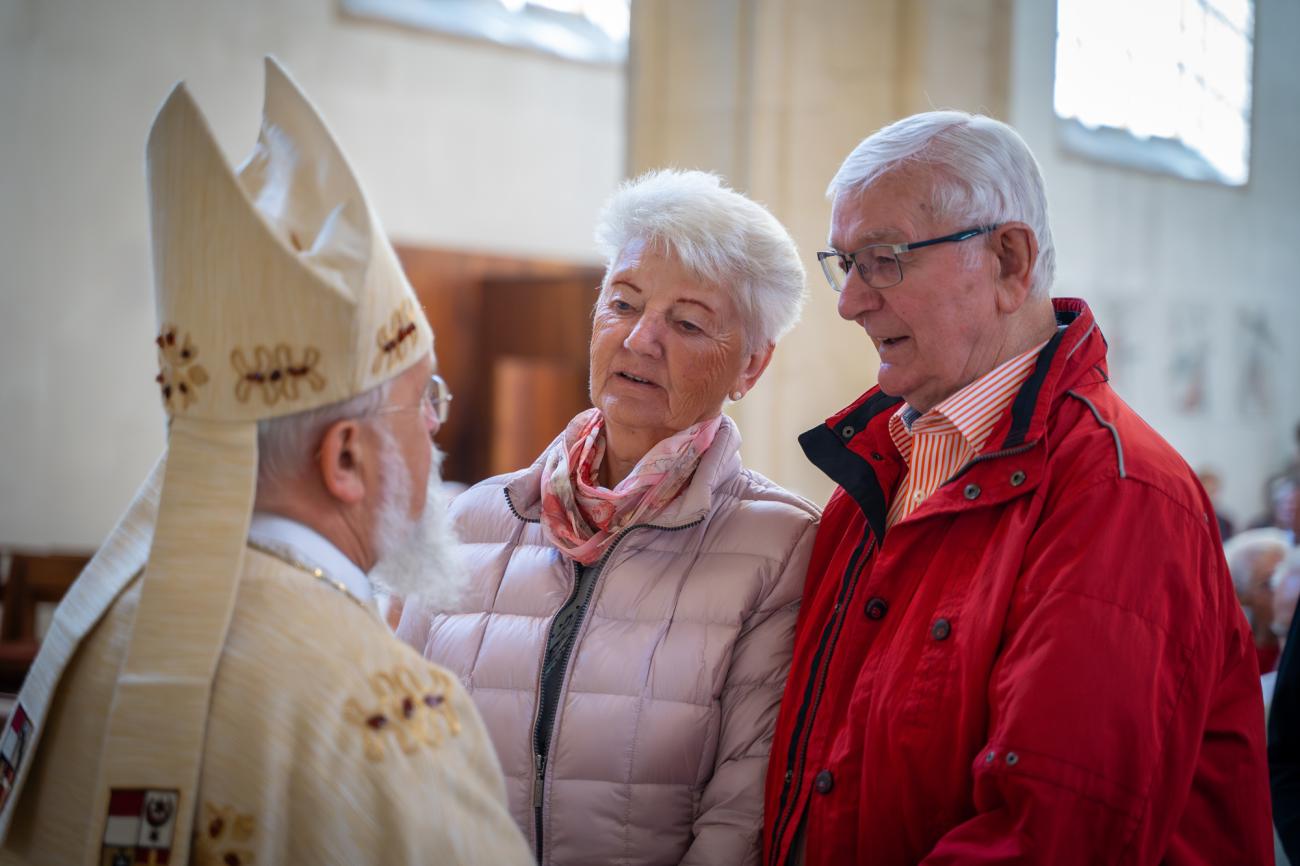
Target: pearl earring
[(736, 395)]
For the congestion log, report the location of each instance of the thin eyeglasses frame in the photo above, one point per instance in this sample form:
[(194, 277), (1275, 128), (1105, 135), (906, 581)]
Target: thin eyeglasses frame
[(437, 396), (897, 249)]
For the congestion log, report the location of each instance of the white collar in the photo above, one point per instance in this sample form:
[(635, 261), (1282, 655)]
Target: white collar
[(306, 544)]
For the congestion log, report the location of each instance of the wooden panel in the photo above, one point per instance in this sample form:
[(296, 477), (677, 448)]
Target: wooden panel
[(33, 579), (533, 398), (483, 307)]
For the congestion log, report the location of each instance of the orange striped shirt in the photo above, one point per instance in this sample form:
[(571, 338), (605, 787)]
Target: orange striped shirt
[(935, 445)]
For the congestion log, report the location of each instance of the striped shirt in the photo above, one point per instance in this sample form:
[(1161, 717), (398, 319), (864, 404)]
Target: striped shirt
[(935, 445)]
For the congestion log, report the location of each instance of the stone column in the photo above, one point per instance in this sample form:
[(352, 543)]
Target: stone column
[(773, 94)]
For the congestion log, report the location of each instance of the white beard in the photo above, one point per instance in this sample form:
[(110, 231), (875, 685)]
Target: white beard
[(418, 558)]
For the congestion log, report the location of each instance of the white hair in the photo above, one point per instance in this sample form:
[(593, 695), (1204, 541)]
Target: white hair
[(1244, 549), (1289, 565), (980, 170), (286, 445), (418, 558), (719, 235)]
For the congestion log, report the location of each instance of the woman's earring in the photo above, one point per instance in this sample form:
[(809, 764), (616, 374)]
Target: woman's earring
[(736, 395)]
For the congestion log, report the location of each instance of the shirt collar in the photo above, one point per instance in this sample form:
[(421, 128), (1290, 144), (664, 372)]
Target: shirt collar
[(305, 544), (973, 410)]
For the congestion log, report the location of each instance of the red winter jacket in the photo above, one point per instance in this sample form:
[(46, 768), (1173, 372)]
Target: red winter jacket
[(1044, 663)]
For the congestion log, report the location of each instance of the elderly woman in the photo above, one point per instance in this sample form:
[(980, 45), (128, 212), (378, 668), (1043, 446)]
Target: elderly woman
[(629, 623)]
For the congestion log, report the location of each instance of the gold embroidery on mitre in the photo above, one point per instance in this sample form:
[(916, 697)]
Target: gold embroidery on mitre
[(393, 339), (224, 837), (275, 373), (178, 377), (412, 712)]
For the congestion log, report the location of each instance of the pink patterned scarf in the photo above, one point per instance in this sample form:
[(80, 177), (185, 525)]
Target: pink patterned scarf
[(582, 518)]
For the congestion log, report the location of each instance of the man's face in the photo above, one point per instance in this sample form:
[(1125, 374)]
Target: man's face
[(412, 431), (413, 537), (940, 328)]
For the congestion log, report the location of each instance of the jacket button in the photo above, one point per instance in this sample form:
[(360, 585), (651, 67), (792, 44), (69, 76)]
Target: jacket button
[(941, 629), (1017, 478), (824, 781), (847, 431), (877, 608), (972, 491)]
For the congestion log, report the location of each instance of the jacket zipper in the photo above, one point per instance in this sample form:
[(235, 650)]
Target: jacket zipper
[(539, 759), (829, 640), (994, 455), (833, 638)]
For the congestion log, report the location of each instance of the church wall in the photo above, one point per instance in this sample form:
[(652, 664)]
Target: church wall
[(1196, 285), (460, 144)]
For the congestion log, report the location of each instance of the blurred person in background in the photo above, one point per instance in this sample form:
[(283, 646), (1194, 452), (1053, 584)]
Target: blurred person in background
[(628, 628), (1252, 557), (1213, 485), (1281, 493)]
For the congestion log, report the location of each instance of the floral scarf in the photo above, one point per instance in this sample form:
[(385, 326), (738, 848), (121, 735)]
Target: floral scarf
[(582, 518)]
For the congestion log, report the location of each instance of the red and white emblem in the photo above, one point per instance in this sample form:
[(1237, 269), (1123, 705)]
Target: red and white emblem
[(140, 826), (13, 747)]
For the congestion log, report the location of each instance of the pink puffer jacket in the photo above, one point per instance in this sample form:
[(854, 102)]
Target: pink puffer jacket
[(665, 715)]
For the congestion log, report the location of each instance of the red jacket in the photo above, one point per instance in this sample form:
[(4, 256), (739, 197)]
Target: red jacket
[(1045, 663)]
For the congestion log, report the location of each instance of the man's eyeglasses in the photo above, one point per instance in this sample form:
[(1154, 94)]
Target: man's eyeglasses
[(436, 397), (878, 264)]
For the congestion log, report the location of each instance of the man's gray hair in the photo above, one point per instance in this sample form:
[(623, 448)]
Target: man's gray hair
[(719, 235), (1245, 548), (286, 445), (981, 172), (1289, 565)]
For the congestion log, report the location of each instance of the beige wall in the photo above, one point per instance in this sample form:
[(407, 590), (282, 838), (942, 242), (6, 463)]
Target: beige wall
[(774, 93), (459, 144), (1175, 270)]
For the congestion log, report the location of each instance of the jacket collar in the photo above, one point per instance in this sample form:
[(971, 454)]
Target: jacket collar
[(720, 464), (854, 448)]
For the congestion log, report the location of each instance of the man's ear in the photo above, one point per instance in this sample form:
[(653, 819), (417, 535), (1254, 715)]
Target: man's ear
[(755, 363), (1016, 249), (341, 456)]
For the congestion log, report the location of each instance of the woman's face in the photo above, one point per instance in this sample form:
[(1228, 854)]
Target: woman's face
[(666, 348)]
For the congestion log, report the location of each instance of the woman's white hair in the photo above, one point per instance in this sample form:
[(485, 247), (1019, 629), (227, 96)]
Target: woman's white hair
[(719, 235), (1245, 548), (981, 172), (287, 444)]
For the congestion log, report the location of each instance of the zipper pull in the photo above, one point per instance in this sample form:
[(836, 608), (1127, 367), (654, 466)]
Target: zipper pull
[(539, 762)]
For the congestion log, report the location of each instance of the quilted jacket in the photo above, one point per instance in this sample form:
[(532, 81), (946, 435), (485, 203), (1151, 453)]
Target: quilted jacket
[(664, 718)]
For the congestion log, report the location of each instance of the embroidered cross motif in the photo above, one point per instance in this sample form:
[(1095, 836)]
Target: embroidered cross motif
[(392, 339), (179, 376), (414, 713), (275, 373), (224, 837)]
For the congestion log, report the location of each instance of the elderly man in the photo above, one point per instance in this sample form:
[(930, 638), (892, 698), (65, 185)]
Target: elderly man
[(218, 687), (1019, 641)]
